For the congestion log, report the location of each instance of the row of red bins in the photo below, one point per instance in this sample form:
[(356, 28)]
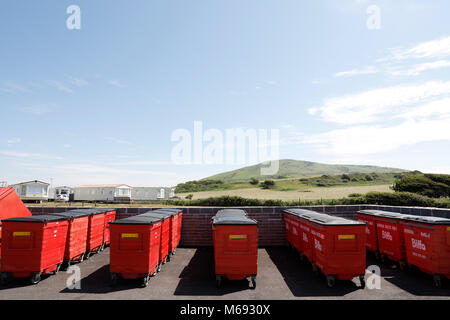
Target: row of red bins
[(141, 244), (420, 241), (333, 245), (235, 240), (37, 245)]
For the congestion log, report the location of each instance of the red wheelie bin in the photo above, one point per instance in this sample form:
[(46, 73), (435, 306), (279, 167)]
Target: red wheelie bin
[(173, 232), (33, 246), (165, 236), (96, 230), (76, 243), (235, 238), (334, 245), (427, 242), (110, 216), (134, 249), (369, 217)]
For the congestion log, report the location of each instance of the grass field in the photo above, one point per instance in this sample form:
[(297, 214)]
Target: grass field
[(315, 193)]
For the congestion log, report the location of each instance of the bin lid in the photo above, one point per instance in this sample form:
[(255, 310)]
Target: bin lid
[(161, 215), (137, 220), (90, 211), (72, 214), (233, 220), (385, 214), (428, 220), (42, 218), (322, 218), (164, 212), (299, 212), (231, 212)]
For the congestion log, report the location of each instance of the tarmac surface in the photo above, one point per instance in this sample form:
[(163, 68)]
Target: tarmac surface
[(190, 275)]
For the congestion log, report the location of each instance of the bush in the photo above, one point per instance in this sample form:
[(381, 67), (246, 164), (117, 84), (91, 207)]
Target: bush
[(434, 186), (368, 177), (189, 196), (345, 177), (355, 195), (267, 184), (201, 185), (254, 181)]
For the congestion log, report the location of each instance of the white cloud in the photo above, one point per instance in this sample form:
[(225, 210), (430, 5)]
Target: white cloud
[(14, 141), (438, 108), (438, 48), (359, 140), (36, 156), (417, 69), (117, 83), (355, 72), (36, 110), (88, 168), (79, 82), (367, 106), (60, 86), (10, 87)]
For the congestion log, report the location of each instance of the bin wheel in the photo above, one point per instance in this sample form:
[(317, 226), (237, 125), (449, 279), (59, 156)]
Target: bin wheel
[(159, 267), (155, 272), (87, 255), (3, 278), (331, 281), (114, 279), (145, 281), (35, 278), (82, 257), (253, 283), (402, 265), (58, 267), (437, 281), (377, 255), (173, 252), (102, 247), (315, 269), (382, 258), (362, 281), (218, 281)]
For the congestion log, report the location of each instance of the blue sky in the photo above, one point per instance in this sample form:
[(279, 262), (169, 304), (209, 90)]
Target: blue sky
[(99, 104)]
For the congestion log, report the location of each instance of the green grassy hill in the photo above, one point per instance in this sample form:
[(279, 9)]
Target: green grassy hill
[(298, 169)]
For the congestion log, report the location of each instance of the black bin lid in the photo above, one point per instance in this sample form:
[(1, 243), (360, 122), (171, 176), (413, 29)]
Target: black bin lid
[(138, 220), (322, 218), (231, 212), (299, 212), (164, 212), (381, 213), (71, 214), (428, 220), (161, 215), (38, 219)]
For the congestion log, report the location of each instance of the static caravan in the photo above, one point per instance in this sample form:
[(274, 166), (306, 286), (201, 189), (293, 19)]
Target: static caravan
[(142, 194), (104, 193), (63, 193), (32, 190)]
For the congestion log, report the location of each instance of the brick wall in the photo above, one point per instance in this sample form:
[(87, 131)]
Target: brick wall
[(196, 229)]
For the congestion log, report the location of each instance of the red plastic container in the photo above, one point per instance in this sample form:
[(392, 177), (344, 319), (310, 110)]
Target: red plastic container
[(33, 246), (334, 245), (369, 217), (427, 242), (76, 244), (134, 250), (174, 223), (110, 216), (293, 230), (96, 230), (235, 238), (165, 235)]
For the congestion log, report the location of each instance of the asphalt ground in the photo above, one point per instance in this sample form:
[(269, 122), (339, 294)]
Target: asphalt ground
[(190, 275)]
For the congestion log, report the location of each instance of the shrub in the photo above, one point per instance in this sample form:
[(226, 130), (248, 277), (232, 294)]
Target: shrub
[(345, 177), (434, 186), (254, 181), (267, 184)]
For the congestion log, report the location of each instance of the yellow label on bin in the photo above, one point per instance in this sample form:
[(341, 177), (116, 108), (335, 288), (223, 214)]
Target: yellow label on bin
[(238, 237), (130, 235), (346, 237), (21, 234), (448, 228)]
